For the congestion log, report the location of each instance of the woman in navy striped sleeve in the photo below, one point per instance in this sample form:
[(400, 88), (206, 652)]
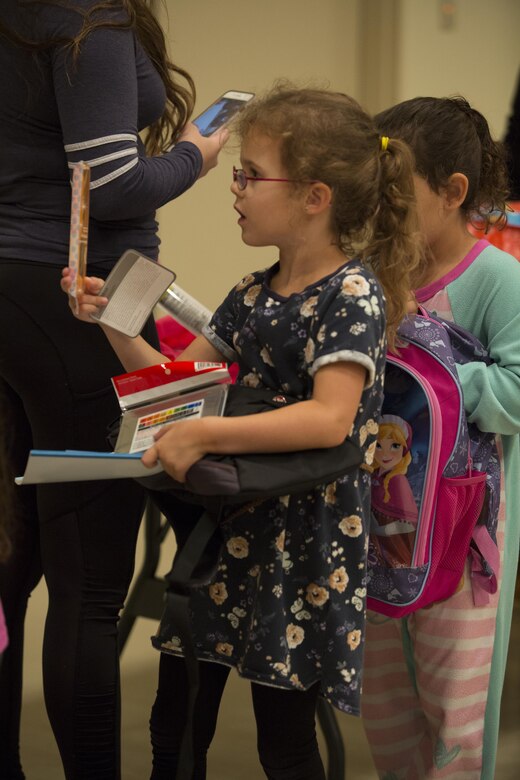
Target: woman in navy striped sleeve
[(80, 81)]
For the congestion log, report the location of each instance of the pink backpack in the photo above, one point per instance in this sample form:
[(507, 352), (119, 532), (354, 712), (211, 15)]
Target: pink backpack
[(436, 478)]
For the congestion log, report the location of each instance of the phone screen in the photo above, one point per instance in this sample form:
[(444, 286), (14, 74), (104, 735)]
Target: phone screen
[(219, 113)]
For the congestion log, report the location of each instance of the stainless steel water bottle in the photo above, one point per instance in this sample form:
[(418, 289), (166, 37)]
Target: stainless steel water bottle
[(185, 309)]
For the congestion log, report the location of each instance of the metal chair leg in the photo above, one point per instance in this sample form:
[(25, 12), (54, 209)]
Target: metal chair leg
[(146, 596), (333, 739)]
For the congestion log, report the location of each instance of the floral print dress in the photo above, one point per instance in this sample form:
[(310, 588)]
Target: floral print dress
[(287, 604)]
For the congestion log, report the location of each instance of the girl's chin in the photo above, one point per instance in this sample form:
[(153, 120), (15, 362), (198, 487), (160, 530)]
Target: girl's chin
[(249, 239)]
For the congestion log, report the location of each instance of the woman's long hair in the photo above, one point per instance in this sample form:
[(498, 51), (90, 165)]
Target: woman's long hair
[(139, 16)]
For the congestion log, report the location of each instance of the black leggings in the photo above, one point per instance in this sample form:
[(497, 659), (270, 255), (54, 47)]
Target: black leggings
[(285, 720), (81, 536)]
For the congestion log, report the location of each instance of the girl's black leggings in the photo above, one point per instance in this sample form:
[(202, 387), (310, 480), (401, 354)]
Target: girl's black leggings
[(286, 730), (55, 372)]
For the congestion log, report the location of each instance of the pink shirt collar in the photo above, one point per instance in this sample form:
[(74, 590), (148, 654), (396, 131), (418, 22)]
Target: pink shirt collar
[(425, 293)]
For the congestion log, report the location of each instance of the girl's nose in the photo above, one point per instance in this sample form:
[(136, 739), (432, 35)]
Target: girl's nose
[(235, 190)]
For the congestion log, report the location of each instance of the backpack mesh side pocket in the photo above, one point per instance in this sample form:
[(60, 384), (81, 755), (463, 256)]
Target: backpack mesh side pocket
[(460, 502)]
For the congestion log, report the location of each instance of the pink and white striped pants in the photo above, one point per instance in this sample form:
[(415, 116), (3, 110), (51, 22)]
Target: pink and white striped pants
[(425, 687)]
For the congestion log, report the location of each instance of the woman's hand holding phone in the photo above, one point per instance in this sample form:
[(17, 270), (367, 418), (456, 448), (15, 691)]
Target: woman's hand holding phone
[(207, 131), (209, 146)]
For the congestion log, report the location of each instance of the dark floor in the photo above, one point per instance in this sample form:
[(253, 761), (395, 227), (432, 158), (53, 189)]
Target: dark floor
[(233, 755)]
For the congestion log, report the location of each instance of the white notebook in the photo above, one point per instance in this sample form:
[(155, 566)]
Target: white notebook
[(80, 466)]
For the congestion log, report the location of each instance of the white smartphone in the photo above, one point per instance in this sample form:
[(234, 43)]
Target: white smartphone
[(219, 113)]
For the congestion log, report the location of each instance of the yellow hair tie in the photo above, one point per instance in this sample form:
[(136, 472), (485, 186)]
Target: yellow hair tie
[(384, 143)]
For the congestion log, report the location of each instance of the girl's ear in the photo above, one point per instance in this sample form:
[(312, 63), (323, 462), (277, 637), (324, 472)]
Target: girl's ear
[(318, 198), (456, 190)]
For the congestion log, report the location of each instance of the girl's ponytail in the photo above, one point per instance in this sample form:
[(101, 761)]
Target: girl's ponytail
[(394, 250)]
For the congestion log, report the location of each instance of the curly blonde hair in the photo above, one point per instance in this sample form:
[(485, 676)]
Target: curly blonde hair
[(327, 136)]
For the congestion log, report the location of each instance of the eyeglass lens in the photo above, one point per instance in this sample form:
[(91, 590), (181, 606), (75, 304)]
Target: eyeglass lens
[(240, 177)]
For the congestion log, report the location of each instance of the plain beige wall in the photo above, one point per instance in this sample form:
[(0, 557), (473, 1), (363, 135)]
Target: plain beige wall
[(478, 55), (247, 45)]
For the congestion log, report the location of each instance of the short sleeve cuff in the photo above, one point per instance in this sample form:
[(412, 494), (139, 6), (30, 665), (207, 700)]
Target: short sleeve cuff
[(347, 356), (224, 349)]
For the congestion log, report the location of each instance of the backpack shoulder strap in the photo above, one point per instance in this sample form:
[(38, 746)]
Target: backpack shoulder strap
[(484, 565), (194, 564)]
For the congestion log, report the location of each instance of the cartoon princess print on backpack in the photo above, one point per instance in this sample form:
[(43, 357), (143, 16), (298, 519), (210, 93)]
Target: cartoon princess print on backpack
[(436, 479), (394, 507)]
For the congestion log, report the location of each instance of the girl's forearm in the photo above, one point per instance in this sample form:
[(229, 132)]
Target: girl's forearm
[(306, 425), (322, 421), (134, 353)]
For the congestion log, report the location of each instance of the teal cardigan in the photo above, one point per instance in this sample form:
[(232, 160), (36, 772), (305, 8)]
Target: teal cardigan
[(484, 295)]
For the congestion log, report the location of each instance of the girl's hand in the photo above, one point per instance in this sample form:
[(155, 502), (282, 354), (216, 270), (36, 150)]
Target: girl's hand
[(209, 146), (87, 302), (177, 447)]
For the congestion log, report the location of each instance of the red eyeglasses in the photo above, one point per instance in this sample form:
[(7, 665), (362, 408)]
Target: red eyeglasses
[(239, 175)]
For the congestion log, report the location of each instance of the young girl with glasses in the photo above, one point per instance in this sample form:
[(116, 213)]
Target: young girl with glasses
[(433, 680), (286, 607)]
